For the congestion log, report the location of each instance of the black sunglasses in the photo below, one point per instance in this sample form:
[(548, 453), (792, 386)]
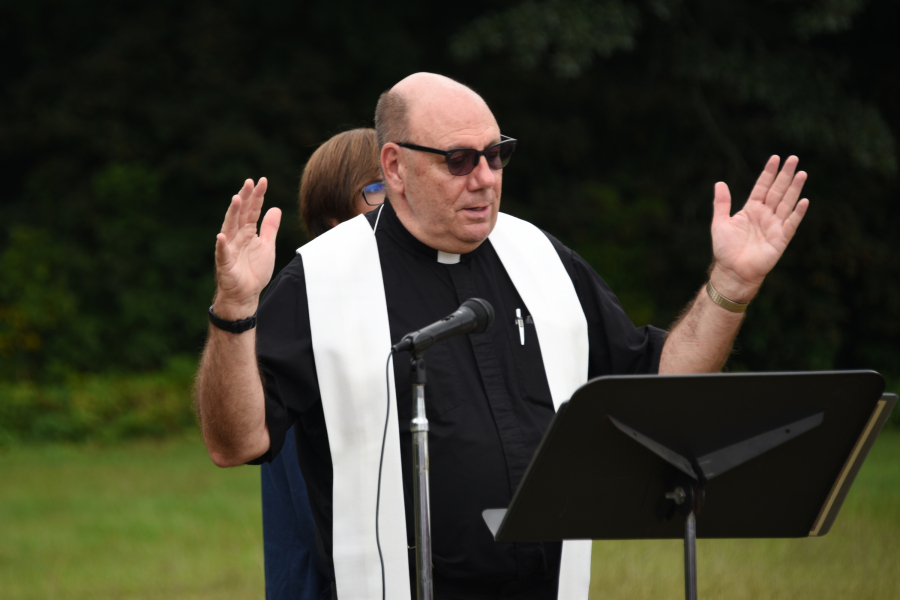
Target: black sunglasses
[(462, 161)]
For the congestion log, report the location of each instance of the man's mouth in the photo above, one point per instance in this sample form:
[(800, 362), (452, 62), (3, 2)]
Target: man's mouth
[(478, 211)]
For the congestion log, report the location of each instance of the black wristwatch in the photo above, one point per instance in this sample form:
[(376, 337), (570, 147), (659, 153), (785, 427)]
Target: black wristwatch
[(232, 326)]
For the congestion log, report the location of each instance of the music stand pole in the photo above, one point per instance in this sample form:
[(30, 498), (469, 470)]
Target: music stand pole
[(419, 430), (690, 557), (688, 497)]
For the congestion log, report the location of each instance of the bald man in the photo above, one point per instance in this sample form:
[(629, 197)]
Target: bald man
[(329, 318)]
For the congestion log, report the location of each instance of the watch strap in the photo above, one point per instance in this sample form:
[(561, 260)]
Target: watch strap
[(724, 302), (232, 326)]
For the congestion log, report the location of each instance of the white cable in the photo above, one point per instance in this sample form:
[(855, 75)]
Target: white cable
[(376, 218), (381, 460)]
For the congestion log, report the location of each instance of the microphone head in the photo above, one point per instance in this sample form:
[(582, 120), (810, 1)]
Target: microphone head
[(484, 313)]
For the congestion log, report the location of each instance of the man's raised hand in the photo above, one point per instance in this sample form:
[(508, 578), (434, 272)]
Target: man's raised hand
[(245, 260), (747, 245)]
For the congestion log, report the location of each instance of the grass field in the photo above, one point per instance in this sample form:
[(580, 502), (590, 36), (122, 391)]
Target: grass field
[(132, 521), (158, 520)]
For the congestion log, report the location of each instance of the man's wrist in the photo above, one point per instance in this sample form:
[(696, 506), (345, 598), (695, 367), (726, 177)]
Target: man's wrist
[(724, 302), (233, 311), (732, 287), (232, 326)]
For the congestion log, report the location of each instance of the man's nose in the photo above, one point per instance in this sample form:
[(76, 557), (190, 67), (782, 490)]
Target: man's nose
[(482, 176)]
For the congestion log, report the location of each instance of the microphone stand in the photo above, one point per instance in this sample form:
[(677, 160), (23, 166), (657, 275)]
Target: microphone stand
[(474, 315), (419, 430)]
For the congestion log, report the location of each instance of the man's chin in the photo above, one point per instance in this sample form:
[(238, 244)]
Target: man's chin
[(474, 234)]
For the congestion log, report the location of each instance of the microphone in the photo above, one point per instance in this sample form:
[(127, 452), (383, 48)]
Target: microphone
[(474, 315)]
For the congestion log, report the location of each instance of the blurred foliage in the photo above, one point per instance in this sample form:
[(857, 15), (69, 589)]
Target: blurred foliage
[(126, 127), (570, 33), (100, 407), (620, 151)]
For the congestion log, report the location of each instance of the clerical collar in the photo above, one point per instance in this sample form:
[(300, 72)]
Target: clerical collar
[(403, 238), (446, 258)]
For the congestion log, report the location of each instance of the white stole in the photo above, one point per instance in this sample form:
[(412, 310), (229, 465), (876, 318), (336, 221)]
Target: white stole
[(345, 294)]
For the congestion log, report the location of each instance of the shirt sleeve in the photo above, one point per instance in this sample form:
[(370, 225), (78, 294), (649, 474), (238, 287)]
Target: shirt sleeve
[(617, 347), (285, 355)]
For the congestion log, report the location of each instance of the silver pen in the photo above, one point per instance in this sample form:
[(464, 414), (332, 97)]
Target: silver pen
[(521, 325)]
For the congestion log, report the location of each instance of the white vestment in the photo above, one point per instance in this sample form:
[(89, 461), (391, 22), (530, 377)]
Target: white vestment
[(346, 300)]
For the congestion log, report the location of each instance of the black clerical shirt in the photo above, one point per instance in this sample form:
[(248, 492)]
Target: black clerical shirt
[(487, 400)]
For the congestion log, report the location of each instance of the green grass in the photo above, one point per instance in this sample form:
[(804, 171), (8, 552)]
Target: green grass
[(140, 520), (146, 520)]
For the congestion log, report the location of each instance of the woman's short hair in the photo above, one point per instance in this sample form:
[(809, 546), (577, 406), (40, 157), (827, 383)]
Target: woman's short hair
[(334, 177)]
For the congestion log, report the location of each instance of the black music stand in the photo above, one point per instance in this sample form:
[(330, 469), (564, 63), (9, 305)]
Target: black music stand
[(755, 455)]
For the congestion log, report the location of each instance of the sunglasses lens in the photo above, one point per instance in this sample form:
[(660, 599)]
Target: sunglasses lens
[(462, 162), (498, 156), (506, 151), (493, 157)]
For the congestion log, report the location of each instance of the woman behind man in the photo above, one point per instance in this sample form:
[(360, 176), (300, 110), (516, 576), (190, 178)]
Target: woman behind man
[(341, 180)]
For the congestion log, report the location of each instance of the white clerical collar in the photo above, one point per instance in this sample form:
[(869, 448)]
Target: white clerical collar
[(445, 258)]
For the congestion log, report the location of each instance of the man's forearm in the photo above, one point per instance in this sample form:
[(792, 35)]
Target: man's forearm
[(701, 340), (230, 399)]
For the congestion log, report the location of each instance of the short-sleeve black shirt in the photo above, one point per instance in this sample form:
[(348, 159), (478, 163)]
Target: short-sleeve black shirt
[(488, 401)]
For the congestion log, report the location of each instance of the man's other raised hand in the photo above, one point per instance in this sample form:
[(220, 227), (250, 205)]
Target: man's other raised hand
[(747, 246), (245, 260)]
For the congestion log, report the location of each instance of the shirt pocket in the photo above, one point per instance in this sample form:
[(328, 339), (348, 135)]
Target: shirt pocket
[(529, 363)]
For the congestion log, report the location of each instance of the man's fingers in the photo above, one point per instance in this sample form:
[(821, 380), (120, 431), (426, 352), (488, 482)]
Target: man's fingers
[(256, 201), (232, 215), (245, 195), (246, 189), (793, 222), (269, 228), (790, 197), (223, 253), (765, 180), (721, 204), (782, 182)]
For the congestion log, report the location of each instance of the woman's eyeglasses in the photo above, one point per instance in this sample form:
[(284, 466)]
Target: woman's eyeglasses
[(462, 161), (373, 194)]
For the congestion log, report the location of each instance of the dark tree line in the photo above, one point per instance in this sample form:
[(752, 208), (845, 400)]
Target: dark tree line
[(126, 127)]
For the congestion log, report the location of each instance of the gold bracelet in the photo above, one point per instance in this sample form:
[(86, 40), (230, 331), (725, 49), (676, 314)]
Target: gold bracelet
[(724, 302)]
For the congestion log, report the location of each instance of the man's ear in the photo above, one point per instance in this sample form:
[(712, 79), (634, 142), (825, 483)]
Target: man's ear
[(391, 168)]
